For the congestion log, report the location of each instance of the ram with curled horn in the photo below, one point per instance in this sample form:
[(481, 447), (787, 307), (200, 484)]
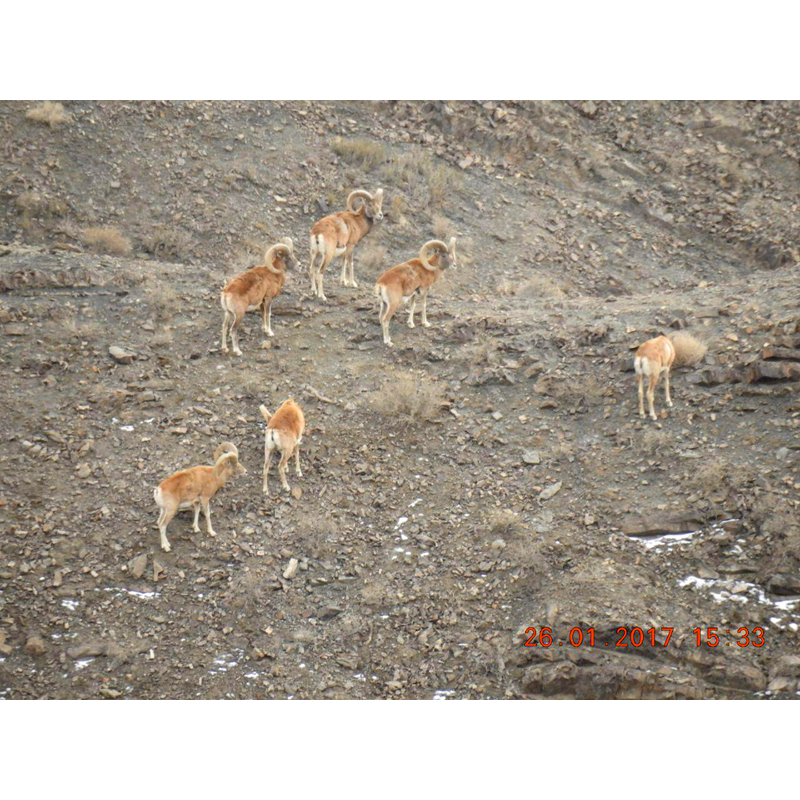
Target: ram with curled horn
[(336, 236), (255, 289), (411, 279), (193, 488)]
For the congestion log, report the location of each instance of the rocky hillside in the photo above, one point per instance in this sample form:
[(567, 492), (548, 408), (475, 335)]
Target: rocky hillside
[(487, 475)]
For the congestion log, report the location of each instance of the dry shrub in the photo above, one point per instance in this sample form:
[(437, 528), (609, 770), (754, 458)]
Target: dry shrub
[(443, 228), (77, 327), (442, 179), (412, 399), (506, 287), (52, 114), (688, 350), (163, 300), (107, 240), (408, 167), (398, 207), (541, 285), (583, 390), (360, 151), (248, 590), (504, 524), (480, 352), (653, 441), (161, 338), (374, 256), (168, 244), (33, 204), (718, 478), (241, 260)]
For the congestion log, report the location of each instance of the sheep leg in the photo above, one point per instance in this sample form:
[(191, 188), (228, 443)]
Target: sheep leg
[(282, 468), (268, 318), (297, 461), (352, 270), (651, 390), (225, 332), (235, 334), (411, 310), (312, 274), (641, 394), (425, 323), (267, 459), (666, 386), (320, 273), (195, 526), (207, 512), (391, 307), (163, 520)]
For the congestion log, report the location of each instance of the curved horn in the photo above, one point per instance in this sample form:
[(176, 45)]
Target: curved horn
[(271, 253), (355, 195), (423, 253), (224, 449), (287, 240)]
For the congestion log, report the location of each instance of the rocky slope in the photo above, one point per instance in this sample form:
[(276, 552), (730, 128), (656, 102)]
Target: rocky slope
[(486, 475)]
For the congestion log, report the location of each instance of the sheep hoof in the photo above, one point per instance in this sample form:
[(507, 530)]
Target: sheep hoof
[(426, 325), (237, 352), (411, 325)]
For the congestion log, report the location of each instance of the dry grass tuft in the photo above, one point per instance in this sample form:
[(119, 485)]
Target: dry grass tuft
[(161, 338), (398, 207), (504, 524), (248, 590), (412, 399), (163, 299), (586, 390), (541, 285), (408, 167), (374, 256), (653, 441), (360, 151), (107, 240), (168, 244), (52, 114), (33, 204), (443, 228), (506, 287), (78, 326), (717, 478), (688, 350)]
